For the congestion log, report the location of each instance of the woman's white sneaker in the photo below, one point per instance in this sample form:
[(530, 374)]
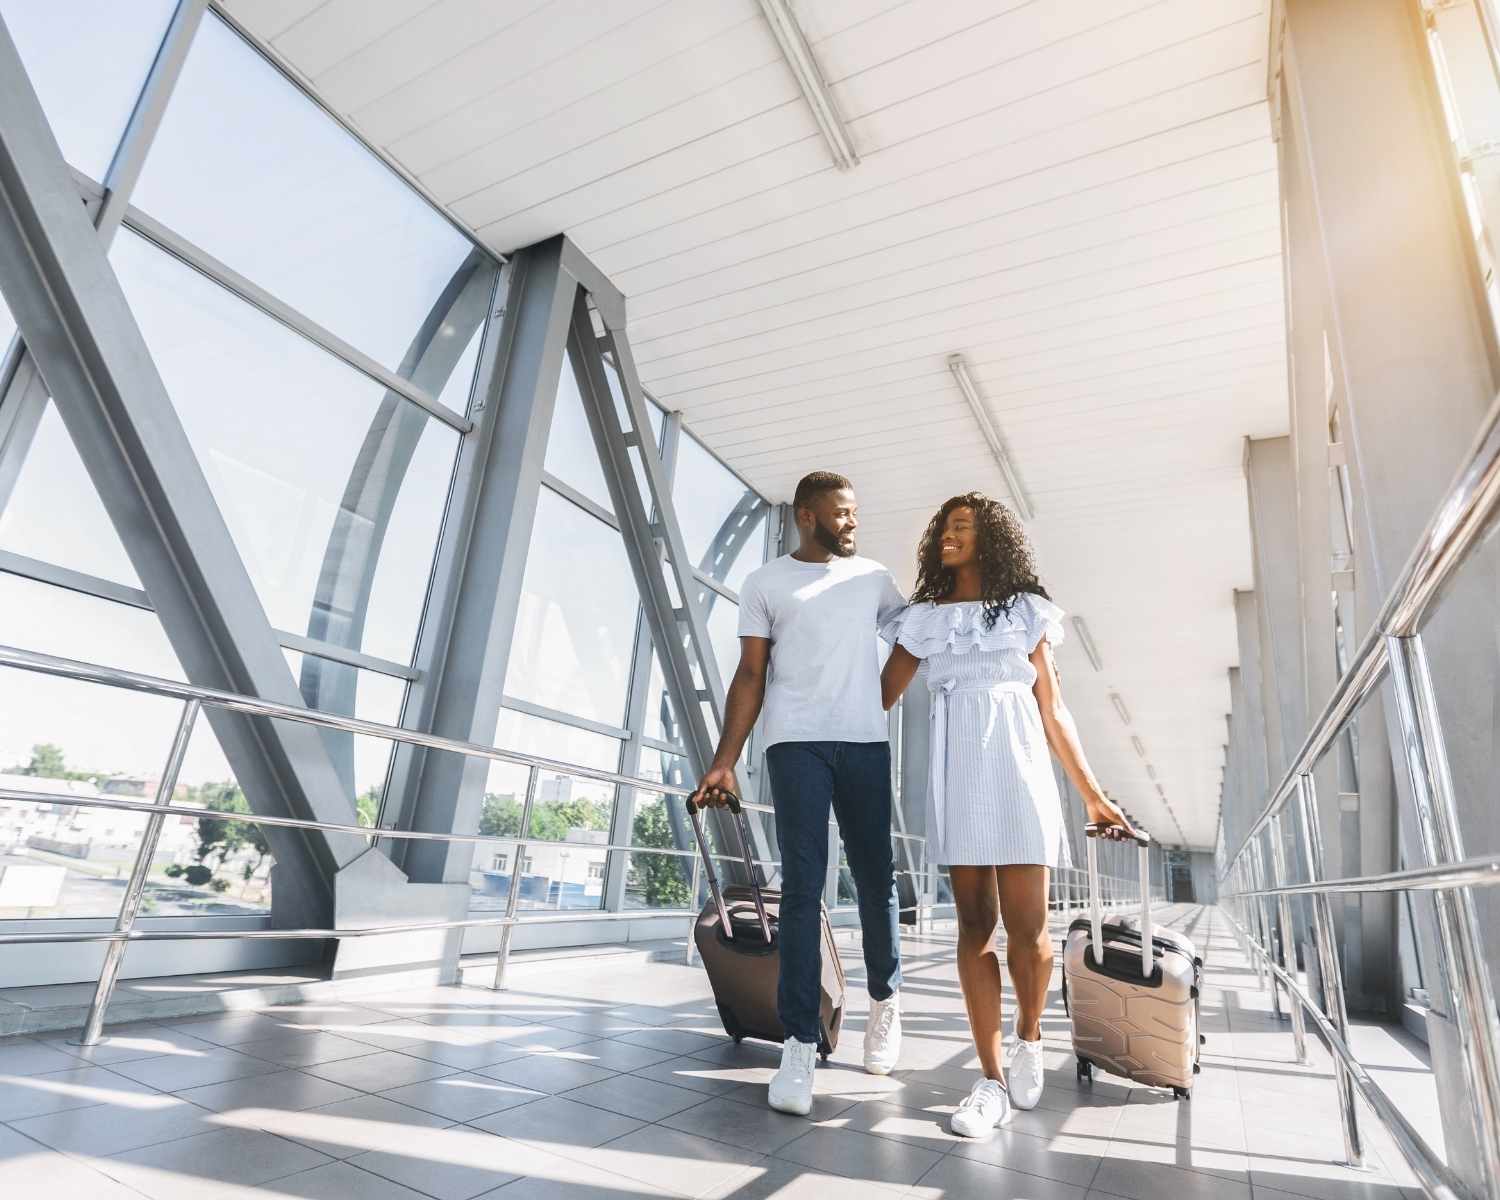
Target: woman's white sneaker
[(883, 1035), (986, 1107), (792, 1085), (1024, 1076)]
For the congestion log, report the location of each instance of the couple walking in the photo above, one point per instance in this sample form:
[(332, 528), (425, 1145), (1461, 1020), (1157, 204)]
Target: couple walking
[(982, 627)]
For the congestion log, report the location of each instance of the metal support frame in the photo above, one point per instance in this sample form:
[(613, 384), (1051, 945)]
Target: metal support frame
[(463, 648), (1288, 946), (75, 320)]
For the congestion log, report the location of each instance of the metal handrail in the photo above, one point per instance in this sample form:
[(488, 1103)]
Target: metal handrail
[(194, 697), (1393, 647)]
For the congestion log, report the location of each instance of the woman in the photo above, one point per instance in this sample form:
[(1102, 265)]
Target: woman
[(985, 628)]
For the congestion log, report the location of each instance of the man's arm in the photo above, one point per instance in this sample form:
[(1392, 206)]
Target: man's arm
[(747, 692)]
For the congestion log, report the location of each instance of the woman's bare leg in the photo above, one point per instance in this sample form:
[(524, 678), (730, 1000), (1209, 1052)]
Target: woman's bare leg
[(976, 898), (1028, 943)]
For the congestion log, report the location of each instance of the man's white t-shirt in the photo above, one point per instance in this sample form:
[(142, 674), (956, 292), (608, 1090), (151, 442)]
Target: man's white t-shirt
[(824, 679)]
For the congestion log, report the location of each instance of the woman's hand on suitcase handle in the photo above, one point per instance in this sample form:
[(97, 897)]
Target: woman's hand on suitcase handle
[(1111, 824)]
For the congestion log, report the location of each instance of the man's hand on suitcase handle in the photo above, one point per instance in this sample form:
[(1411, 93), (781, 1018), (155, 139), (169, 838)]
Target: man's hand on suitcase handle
[(715, 790)]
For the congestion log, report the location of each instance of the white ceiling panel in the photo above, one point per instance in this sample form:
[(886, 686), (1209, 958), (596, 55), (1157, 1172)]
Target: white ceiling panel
[(1080, 198)]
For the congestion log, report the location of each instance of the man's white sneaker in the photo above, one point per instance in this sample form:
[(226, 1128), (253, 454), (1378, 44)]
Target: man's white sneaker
[(792, 1085), (883, 1035), (986, 1107), (1024, 1076)]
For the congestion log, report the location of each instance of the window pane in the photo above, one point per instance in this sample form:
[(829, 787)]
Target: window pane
[(661, 722), (87, 60), (723, 521), (333, 488), (662, 881), (7, 326), (55, 514), (334, 687), (575, 631), (254, 172), (571, 454), (63, 736), (724, 634), (566, 809)]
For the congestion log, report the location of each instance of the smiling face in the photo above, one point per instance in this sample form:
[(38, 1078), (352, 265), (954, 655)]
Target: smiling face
[(958, 544), (831, 519)]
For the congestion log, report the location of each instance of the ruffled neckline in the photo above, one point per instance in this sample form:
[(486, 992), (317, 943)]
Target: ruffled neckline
[(927, 629)]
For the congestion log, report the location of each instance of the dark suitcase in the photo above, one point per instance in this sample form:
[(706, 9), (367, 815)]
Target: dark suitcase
[(1131, 992), (736, 938)]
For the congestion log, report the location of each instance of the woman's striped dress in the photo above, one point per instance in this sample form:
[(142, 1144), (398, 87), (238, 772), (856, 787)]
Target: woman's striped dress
[(991, 798)]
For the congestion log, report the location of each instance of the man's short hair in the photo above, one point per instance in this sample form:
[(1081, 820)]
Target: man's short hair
[(810, 487)]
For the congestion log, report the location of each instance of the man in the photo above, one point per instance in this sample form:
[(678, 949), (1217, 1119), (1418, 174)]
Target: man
[(808, 624)]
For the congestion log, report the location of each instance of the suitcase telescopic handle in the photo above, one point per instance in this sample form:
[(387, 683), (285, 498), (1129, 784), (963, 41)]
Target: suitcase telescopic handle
[(742, 827), (1142, 839)]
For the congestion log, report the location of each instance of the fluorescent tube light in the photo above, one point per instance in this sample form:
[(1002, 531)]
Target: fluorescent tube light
[(960, 370), (1086, 640), (1140, 746), (799, 57), (1150, 771), (1114, 698)]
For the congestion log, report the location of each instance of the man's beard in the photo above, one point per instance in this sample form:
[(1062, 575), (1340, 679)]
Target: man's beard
[(830, 541)]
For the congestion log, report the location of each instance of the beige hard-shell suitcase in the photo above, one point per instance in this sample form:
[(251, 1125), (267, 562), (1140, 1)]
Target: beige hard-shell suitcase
[(736, 938), (1131, 991)]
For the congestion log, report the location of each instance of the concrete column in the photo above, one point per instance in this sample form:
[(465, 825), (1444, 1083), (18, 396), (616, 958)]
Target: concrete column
[(1412, 348), (1257, 765)]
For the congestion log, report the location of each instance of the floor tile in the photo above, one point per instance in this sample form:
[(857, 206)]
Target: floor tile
[(174, 1072), (191, 1167), (23, 1056), (695, 1075), (1152, 1181), (127, 1043), (1063, 1158), (453, 1164), (323, 1014), (336, 1181), (860, 1156), (670, 1160), (632, 1096), (776, 1179), (23, 1096), (462, 1097), (554, 1122), (342, 1129), (291, 1091), (751, 1127), (225, 1029), (29, 1169), (111, 1129), (618, 1056), (676, 1041), (541, 1073), (957, 1178), (914, 1126), (380, 1071), (299, 1048)]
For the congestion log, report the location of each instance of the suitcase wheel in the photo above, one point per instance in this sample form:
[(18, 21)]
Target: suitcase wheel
[(1085, 1070), (1182, 1093)]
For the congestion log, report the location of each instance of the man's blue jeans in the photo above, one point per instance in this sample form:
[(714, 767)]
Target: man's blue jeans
[(853, 780)]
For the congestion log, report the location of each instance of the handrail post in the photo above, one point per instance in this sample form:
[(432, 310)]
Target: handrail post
[(1267, 931), (1461, 961), (135, 888), (692, 944), (513, 895), (1288, 952), (1329, 970)]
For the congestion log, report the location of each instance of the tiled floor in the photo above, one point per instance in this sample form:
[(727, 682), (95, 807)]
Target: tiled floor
[(593, 1083)]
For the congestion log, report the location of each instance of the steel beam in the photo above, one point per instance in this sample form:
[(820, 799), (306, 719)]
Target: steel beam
[(73, 315), (463, 651)]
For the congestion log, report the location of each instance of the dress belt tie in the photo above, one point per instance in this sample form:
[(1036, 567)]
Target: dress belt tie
[(937, 753)]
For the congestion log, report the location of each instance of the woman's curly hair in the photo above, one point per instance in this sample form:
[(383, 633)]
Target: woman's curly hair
[(1006, 565)]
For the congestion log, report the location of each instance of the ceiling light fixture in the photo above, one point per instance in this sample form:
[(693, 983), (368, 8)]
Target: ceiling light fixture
[(1140, 746), (1086, 640), (799, 57), (1114, 698), (960, 370), (1150, 772)]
